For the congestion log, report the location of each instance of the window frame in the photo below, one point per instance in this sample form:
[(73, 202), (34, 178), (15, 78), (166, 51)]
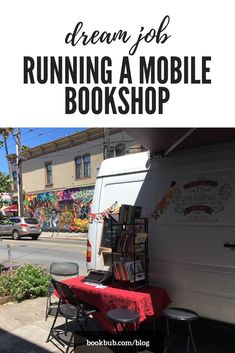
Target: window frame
[(49, 163), (118, 147), (81, 164), (86, 163), (14, 177)]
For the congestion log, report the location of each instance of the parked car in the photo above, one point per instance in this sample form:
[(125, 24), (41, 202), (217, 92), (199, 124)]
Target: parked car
[(6, 226), (19, 227)]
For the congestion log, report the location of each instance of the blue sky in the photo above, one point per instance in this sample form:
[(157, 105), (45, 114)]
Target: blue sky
[(33, 137)]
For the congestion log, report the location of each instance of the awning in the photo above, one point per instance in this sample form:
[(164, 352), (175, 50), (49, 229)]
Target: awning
[(165, 140), (11, 208)]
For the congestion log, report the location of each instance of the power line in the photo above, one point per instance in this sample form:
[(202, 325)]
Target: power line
[(27, 132), (80, 151), (35, 136)]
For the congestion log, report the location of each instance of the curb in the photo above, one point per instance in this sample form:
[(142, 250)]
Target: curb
[(67, 236)]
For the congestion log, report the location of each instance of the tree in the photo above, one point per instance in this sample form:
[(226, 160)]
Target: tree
[(5, 132), (5, 183)]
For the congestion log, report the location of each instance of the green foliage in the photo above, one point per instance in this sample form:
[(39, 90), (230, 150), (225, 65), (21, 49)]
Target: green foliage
[(27, 282), (24, 148), (5, 132), (5, 221), (5, 183)]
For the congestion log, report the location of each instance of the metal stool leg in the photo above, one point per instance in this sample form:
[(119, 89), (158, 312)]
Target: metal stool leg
[(188, 344), (191, 337)]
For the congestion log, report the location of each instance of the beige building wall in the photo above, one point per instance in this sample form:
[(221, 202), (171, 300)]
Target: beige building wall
[(63, 164)]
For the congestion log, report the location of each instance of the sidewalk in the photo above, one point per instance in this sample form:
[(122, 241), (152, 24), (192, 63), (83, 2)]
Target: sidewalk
[(64, 235), (23, 327)]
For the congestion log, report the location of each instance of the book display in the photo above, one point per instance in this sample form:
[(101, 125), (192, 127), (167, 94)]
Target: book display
[(129, 247)]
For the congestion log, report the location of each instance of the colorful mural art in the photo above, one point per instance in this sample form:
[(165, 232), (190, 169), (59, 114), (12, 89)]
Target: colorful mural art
[(61, 211)]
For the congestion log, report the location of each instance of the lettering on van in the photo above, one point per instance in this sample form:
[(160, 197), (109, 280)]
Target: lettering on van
[(199, 201)]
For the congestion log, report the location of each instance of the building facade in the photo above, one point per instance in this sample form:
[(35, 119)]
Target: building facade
[(59, 177)]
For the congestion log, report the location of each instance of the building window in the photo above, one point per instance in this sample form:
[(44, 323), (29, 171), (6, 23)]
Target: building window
[(49, 179), (110, 152), (14, 176), (87, 165), (78, 167), (120, 150)]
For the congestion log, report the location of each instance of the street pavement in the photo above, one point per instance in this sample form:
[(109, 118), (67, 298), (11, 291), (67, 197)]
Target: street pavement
[(45, 250), (23, 328)]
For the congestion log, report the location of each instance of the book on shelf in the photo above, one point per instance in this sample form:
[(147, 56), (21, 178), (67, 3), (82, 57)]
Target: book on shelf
[(120, 272), (138, 226), (128, 271), (135, 270), (121, 242), (126, 241), (139, 276), (115, 271), (128, 213), (140, 238)]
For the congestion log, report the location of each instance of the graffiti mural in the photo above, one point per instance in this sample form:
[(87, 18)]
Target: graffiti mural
[(65, 211)]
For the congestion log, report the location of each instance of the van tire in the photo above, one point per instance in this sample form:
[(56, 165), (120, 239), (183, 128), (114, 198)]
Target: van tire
[(35, 237), (15, 235)]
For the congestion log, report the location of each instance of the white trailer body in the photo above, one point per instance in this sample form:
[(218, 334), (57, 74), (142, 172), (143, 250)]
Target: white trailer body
[(186, 241)]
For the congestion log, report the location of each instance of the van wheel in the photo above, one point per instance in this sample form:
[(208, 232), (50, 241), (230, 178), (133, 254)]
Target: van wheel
[(15, 235), (34, 237)]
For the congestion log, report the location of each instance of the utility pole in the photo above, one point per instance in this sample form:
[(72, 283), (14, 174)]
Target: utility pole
[(7, 154), (19, 173), (106, 145)]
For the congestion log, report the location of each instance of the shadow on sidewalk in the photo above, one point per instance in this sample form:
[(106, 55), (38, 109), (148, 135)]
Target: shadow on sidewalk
[(95, 340), (10, 343)]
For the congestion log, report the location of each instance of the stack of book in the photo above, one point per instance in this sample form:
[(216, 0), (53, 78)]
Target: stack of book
[(127, 240), (128, 213), (128, 271)]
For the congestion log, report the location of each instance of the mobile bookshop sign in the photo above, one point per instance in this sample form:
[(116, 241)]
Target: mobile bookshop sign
[(200, 200)]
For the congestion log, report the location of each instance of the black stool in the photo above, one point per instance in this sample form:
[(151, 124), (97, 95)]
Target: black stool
[(180, 314), (124, 317)]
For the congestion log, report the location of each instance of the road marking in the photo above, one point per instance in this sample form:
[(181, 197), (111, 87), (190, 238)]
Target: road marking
[(32, 243)]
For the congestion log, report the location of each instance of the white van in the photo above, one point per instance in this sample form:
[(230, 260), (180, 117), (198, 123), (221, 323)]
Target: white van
[(189, 199)]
